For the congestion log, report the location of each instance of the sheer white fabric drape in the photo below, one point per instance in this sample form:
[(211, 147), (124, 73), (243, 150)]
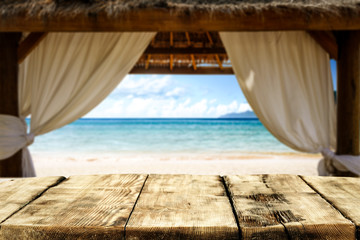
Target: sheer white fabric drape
[(65, 77), (286, 78)]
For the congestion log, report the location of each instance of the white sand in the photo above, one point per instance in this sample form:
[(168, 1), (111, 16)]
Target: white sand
[(222, 164)]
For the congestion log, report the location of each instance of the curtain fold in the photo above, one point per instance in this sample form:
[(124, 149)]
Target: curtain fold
[(286, 78), (65, 77)]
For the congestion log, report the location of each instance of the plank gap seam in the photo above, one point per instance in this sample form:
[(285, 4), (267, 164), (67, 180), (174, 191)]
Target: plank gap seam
[(132, 210), (60, 180), (357, 235), (229, 196)]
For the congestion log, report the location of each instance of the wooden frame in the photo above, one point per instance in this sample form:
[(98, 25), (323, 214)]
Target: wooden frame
[(267, 19)]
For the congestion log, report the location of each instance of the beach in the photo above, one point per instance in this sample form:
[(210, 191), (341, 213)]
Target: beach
[(167, 146), (83, 164)]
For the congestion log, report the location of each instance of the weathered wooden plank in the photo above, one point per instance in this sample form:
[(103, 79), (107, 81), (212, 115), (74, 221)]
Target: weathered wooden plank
[(284, 206), (82, 207), (16, 193), (342, 192), (182, 207)]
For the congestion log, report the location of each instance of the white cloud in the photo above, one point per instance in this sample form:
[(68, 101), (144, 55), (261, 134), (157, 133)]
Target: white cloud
[(176, 92), (168, 108), (158, 96), (222, 109), (186, 109), (244, 107), (150, 85)]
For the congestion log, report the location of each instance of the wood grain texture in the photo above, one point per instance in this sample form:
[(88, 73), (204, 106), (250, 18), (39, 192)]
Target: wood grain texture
[(282, 207), (342, 192), (82, 207), (16, 193), (182, 207), (147, 19)]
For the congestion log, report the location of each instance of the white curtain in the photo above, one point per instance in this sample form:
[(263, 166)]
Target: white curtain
[(286, 78), (65, 77)]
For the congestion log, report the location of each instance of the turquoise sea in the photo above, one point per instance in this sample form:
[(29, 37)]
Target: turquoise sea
[(160, 136)]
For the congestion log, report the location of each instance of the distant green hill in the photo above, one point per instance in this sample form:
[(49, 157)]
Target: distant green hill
[(247, 114)]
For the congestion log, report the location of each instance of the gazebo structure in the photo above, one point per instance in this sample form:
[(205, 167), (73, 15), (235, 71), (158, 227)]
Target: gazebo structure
[(187, 41)]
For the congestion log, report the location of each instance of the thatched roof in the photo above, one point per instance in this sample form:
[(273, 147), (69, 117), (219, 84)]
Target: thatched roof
[(115, 7), (178, 15)]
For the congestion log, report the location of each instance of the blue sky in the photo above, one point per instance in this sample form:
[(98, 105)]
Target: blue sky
[(157, 96)]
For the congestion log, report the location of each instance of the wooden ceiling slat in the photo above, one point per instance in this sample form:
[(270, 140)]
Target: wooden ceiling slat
[(218, 61), (184, 51), (171, 39), (193, 61), (147, 61), (183, 70), (188, 38), (171, 62), (210, 38)]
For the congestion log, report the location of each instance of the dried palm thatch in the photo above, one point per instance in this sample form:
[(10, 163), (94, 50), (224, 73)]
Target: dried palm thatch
[(115, 7)]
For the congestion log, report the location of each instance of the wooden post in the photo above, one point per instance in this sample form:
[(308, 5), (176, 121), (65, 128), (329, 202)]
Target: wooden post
[(348, 98), (9, 42)]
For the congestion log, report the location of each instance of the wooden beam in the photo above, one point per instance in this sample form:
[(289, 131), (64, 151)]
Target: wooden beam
[(199, 70), (171, 62), (147, 61), (188, 38), (171, 55), (193, 61), (9, 42), (209, 38), (218, 61), (348, 93), (327, 41), (29, 44), (171, 39), (268, 18), (184, 51)]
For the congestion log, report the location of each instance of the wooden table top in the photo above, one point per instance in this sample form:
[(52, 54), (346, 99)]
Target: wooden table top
[(134, 206)]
